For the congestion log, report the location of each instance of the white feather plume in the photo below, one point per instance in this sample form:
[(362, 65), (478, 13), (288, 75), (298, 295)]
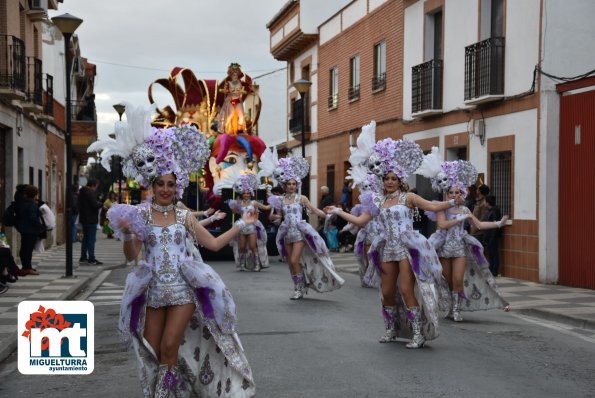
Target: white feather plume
[(268, 162), (365, 143), (431, 164), (128, 134), (358, 174)]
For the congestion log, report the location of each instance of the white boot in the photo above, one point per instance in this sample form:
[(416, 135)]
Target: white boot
[(389, 315), (414, 315)]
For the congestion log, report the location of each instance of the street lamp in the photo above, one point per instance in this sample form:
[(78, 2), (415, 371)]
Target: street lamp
[(67, 24), (120, 109), (303, 86)]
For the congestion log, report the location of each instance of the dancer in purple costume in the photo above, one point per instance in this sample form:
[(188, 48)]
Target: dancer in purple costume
[(472, 286), (401, 255), (176, 312), (252, 236), (297, 241)]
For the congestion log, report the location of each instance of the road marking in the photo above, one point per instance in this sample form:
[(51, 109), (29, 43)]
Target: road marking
[(565, 329)]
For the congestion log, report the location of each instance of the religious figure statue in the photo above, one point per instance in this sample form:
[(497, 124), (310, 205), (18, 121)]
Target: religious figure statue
[(231, 115)]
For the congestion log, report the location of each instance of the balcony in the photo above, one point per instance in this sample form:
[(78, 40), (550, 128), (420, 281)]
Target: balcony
[(84, 126), (484, 71), (34, 99), (13, 68), (333, 101), (426, 89), (379, 82), (353, 94)]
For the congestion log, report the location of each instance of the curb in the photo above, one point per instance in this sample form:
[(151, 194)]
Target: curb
[(73, 291)]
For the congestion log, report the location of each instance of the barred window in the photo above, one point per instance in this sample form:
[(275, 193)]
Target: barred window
[(501, 180)]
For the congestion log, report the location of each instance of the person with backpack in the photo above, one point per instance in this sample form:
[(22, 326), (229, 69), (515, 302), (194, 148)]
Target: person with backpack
[(29, 226)]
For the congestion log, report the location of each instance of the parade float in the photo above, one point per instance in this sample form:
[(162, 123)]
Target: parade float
[(227, 113)]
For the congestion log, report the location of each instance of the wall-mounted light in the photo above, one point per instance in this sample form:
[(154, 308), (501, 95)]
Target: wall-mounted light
[(478, 130)]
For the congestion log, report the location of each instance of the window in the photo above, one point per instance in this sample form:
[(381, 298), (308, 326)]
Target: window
[(379, 79), (492, 19), (501, 180), (354, 78), (433, 37), (330, 178), (333, 99), (40, 183)]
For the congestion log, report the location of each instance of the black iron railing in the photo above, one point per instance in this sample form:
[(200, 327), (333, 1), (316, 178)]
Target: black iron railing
[(333, 101), (84, 110), (426, 86), (484, 68), (34, 81), (379, 82), (13, 65), (353, 93), (48, 108)]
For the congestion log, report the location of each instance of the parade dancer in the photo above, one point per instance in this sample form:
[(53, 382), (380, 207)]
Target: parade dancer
[(366, 182), (176, 311), (298, 242), (400, 253), (250, 246), (464, 266)]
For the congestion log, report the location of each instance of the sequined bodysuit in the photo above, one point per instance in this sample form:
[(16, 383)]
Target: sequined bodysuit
[(395, 220)]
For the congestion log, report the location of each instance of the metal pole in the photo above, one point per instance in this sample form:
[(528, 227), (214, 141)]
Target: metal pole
[(69, 194)]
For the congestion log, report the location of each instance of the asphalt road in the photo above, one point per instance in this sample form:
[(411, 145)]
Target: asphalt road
[(326, 346)]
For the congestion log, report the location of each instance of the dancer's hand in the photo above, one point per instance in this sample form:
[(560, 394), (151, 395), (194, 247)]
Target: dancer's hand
[(504, 220), (463, 217), (124, 226), (459, 200), (209, 211), (331, 210), (219, 215)]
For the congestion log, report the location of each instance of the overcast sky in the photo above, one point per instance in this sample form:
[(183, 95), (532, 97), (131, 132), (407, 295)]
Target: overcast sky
[(134, 42)]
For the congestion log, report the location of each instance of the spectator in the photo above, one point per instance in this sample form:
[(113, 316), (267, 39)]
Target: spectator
[(347, 237), (480, 210), (492, 237), (74, 197), (29, 226), (8, 267), (88, 205), (346, 196), (48, 222), (111, 199), (470, 203)]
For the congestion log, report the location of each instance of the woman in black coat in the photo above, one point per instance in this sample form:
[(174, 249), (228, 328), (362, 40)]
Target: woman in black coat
[(29, 226)]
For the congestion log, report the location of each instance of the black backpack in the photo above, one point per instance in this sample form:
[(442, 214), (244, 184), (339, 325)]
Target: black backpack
[(10, 216)]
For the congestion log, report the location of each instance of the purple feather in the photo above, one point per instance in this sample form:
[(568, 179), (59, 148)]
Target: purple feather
[(359, 248), (414, 260), (258, 233), (374, 257), (311, 242), (283, 248), (477, 252), (137, 305), (202, 294)]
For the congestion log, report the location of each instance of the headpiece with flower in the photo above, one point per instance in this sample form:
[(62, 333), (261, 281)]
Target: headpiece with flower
[(284, 169), (398, 156), (446, 174), (247, 182), (149, 152)]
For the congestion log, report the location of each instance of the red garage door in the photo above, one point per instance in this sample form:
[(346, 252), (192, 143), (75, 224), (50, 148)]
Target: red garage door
[(577, 187)]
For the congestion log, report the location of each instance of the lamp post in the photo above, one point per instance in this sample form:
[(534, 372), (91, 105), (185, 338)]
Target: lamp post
[(67, 24), (120, 109), (303, 86)]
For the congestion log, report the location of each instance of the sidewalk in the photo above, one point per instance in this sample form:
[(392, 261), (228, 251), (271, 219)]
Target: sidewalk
[(563, 304), (51, 284)]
